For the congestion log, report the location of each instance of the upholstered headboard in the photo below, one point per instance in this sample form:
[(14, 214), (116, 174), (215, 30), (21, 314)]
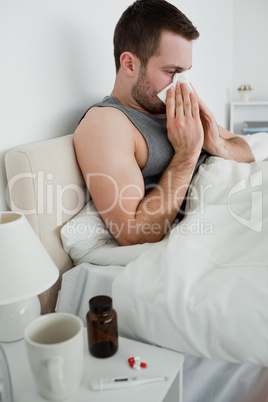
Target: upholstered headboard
[(45, 183)]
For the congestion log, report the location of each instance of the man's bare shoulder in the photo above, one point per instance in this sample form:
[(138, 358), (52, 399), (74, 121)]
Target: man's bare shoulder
[(104, 120), (104, 133)]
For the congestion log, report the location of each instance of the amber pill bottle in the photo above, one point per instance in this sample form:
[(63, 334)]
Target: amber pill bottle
[(102, 327)]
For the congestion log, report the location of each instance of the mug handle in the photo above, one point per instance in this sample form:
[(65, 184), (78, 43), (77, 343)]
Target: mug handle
[(55, 374)]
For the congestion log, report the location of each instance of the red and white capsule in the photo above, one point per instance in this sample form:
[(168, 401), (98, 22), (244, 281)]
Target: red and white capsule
[(133, 362)]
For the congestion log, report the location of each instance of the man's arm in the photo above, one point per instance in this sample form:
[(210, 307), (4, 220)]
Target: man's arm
[(106, 153), (220, 142), (235, 147)]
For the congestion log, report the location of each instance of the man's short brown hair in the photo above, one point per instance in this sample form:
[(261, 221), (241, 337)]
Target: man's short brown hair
[(141, 25)]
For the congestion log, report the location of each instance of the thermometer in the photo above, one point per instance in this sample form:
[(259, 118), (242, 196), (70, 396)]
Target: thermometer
[(99, 384)]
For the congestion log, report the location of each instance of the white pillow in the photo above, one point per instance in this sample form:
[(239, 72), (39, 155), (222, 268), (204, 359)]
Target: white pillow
[(86, 239)]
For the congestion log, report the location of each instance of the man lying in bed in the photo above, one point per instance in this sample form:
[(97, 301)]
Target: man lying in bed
[(137, 154)]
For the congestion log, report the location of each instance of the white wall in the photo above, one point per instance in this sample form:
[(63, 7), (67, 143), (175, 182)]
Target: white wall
[(57, 59), (250, 47), (214, 21)]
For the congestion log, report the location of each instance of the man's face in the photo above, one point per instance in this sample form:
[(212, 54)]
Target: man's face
[(175, 56)]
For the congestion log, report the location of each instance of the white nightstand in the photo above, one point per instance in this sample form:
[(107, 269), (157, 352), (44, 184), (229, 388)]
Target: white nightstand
[(161, 362)]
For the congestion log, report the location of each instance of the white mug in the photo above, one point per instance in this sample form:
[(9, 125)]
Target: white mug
[(55, 349)]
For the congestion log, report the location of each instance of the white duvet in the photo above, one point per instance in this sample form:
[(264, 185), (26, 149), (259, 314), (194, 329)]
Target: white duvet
[(204, 290)]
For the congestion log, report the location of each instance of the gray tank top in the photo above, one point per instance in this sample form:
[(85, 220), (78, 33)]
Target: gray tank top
[(154, 132)]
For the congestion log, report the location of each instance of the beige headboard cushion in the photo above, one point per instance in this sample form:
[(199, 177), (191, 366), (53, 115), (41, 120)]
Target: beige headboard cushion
[(45, 183)]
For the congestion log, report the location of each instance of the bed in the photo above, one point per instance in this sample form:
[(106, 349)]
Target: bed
[(45, 183)]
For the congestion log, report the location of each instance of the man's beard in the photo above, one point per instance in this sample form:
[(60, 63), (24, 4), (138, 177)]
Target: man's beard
[(145, 94)]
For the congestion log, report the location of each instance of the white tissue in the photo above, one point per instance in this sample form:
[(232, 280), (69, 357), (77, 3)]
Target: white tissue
[(182, 78)]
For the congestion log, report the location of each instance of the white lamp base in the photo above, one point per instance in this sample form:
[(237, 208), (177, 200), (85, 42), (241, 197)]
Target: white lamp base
[(14, 317)]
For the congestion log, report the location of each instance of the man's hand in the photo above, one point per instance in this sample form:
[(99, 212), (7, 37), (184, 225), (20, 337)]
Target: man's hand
[(219, 141), (212, 138), (184, 126)]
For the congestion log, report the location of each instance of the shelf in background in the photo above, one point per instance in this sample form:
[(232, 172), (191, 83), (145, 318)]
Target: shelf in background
[(244, 111)]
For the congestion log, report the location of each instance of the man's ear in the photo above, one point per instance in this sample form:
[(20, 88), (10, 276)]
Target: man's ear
[(129, 63)]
